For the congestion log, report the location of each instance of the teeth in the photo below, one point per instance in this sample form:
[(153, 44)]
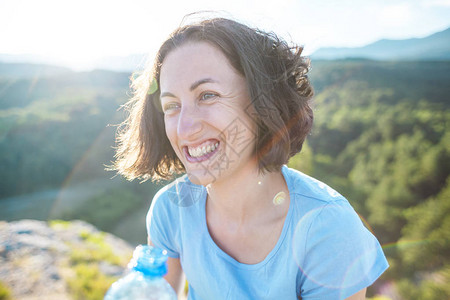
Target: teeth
[(200, 151)]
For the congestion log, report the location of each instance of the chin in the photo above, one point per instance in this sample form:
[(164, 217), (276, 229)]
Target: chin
[(200, 180), (200, 177)]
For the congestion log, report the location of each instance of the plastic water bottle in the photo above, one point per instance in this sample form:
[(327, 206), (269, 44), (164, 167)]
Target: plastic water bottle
[(145, 279)]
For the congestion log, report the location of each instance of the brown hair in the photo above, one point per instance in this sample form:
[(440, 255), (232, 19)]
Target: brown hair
[(278, 85)]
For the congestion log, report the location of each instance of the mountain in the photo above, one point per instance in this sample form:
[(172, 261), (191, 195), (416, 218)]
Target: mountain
[(380, 138), (129, 63), (26, 70), (433, 47)]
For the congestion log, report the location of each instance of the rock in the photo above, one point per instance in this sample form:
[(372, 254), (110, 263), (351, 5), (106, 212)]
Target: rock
[(36, 258)]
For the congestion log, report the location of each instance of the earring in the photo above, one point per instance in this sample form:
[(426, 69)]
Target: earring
[(279, 198)]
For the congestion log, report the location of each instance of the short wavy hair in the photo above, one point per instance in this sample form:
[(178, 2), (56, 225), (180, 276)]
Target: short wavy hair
[(280, 92)]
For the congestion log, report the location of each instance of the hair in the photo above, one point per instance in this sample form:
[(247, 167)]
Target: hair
[(279, 89)]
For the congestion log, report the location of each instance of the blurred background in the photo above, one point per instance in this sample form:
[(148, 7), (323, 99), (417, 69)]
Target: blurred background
[(380, 69)]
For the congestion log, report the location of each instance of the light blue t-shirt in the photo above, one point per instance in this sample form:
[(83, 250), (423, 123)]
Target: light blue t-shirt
[(324, 251)]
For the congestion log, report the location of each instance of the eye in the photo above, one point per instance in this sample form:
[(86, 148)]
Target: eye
[(208, 96), (170, 107)]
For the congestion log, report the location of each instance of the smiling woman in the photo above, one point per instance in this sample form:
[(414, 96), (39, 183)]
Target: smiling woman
[(206, 96), (229, 105)]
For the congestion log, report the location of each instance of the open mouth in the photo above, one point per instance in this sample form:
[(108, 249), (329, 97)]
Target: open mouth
[(201, 152)]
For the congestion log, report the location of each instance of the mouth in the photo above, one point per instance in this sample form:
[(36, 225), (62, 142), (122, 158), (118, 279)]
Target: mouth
[(201, 152)]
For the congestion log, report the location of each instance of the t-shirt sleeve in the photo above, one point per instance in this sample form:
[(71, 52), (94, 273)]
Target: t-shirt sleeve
[(161, 224), (336, 254)]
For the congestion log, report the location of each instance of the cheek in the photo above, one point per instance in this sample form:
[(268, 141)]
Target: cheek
[(171, 130)]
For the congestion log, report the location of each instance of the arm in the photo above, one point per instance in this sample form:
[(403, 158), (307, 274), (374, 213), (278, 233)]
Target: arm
[(174, 275), (361, 295)]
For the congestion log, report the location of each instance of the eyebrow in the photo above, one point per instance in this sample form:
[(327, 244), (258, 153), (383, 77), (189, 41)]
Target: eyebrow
[(200, 82), (192, 87)]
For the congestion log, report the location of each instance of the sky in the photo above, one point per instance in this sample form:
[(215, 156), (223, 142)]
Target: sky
[(78, 31)]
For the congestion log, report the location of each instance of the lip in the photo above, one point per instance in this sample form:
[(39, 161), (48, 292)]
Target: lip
[(192, 159)]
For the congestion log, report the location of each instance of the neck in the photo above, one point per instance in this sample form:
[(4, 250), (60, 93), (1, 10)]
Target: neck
[(247, 196)]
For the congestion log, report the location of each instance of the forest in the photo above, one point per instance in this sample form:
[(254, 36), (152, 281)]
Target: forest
[(379, 137)]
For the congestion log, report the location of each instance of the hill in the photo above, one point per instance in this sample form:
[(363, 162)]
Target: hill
[(380, 138), (26, 70), (56, 137), (434, 47), (128, 64)]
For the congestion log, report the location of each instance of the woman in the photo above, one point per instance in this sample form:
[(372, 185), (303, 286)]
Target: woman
[(229, 105)]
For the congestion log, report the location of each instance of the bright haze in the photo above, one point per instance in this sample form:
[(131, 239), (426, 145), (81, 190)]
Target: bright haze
[(79, 34)]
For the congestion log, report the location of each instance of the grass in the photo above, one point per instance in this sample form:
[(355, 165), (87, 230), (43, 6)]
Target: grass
[(88, 282), (5, 292), (84, 278), (95, 250), (59, 224)]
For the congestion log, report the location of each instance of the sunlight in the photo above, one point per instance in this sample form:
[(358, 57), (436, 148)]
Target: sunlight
[(79, 33), (379, 137), (69, 33)]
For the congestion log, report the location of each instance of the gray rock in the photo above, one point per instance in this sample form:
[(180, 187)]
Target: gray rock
[(34, 257)]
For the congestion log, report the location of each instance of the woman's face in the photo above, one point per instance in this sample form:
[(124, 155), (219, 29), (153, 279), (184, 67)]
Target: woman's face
[(205, 103)]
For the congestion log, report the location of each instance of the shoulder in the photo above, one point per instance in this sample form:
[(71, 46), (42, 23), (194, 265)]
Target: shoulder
[(319, 207), (333, 237), (327, 235), (173, 200), (177, 194), (300, 184), (322, 215)]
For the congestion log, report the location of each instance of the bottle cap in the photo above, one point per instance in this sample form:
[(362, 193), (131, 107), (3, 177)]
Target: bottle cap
[(149, 260)]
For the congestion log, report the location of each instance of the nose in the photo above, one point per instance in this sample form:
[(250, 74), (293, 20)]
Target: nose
[(190, 123)]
